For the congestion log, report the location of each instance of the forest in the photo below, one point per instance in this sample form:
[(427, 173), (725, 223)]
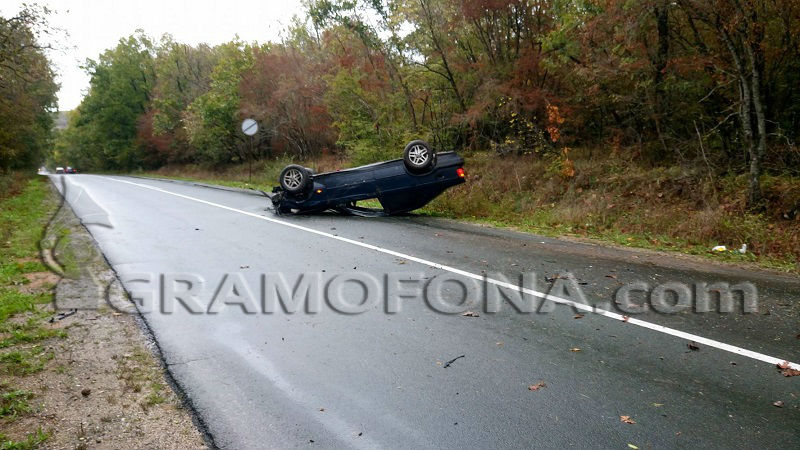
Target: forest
[(27, 91), (711, 82), (557, 104)]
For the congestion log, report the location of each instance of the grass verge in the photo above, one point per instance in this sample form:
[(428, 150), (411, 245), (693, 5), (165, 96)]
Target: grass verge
[(592, 195), (25, 206)]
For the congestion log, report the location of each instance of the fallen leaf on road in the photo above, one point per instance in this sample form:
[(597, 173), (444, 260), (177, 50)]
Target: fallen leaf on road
[(627, 419), (322, 410), (625, 318), (693, 346), (470, 314), (244, 267), (537, 386), (578, 316), (658, 405), (611, 276), (779, 404), (786, 369), (633, 447), (574, 349), (557, 276)]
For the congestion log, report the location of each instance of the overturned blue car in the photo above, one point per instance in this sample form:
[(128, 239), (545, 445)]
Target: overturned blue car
[(400, 185)]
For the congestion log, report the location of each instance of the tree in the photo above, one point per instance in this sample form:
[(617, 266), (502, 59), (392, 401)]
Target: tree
[(27, 90), (183, 73), (754, 40), (212, 118), (105, 124), (283, 90)]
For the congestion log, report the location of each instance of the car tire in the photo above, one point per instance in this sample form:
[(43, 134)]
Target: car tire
[(294, 179), (418, 156)]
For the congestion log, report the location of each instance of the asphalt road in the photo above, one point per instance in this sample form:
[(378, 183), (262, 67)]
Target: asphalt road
[(374, 379)]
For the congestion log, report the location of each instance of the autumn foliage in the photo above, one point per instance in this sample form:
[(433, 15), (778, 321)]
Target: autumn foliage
[(711, 83)]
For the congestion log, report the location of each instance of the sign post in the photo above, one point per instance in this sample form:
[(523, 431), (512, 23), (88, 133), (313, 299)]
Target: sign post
[(249, 128)]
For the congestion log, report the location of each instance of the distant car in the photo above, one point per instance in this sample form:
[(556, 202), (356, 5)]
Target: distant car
[(399, 185), (59, 170), (71, 170)]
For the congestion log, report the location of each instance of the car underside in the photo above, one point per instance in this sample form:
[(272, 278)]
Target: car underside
[(400, 185)]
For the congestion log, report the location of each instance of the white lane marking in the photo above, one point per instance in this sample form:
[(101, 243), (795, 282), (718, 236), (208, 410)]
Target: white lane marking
[(612, 315)]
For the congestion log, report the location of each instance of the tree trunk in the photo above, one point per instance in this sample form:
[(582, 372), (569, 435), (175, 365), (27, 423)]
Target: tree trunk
[(660, 65), (755, 197), (748, 81)]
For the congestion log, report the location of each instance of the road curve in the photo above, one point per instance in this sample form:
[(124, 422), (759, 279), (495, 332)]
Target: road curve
[(374, 379)]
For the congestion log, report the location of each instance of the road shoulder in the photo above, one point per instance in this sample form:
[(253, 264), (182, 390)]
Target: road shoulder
[(76, 373)]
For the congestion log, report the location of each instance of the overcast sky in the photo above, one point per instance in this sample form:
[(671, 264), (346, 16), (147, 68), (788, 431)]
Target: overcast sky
[(95, 25)]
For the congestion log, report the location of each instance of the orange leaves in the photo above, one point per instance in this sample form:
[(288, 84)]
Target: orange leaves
[(554, 121), (537, 386), (627, 419), (567, 166), (786, 369)]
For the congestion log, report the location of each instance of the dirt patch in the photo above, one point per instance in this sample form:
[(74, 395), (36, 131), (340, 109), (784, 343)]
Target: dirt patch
[(39, 282), (103, 388)]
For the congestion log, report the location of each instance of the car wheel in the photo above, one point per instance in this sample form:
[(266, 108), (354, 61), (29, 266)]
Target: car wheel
[(294, 179), (418, 156)]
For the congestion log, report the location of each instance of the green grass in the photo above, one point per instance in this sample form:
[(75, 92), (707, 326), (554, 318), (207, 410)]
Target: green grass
[(24, 362), (25, 206), (29, 331), (32, 441), (155, 397), (14, 402), (539, 224)]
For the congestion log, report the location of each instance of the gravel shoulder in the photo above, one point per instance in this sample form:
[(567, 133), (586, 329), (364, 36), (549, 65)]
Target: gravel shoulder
[(97, 379)]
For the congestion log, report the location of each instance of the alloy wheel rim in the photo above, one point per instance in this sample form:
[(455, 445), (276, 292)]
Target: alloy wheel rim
[(292, 178), (418, 155)]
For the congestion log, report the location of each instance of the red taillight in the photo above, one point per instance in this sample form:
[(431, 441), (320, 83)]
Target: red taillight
[(460, 172)]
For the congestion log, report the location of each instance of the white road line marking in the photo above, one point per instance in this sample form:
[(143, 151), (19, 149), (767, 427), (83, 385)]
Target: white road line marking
[(612, 315)]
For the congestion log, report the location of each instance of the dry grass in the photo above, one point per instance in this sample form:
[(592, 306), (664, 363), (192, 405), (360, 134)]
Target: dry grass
[(678, 208), (607, 198)]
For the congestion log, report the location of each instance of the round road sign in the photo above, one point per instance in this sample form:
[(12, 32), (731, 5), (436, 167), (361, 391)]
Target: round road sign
[(249, 127)]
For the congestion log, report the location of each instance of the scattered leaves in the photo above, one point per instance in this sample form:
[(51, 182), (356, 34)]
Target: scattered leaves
[(693, 346), (786, 369), (578, 316), (627, 419), (470, 314), (537, 386)]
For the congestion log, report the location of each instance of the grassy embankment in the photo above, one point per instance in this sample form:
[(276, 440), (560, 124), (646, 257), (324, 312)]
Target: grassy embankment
[(25, 206), (609, 199)]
